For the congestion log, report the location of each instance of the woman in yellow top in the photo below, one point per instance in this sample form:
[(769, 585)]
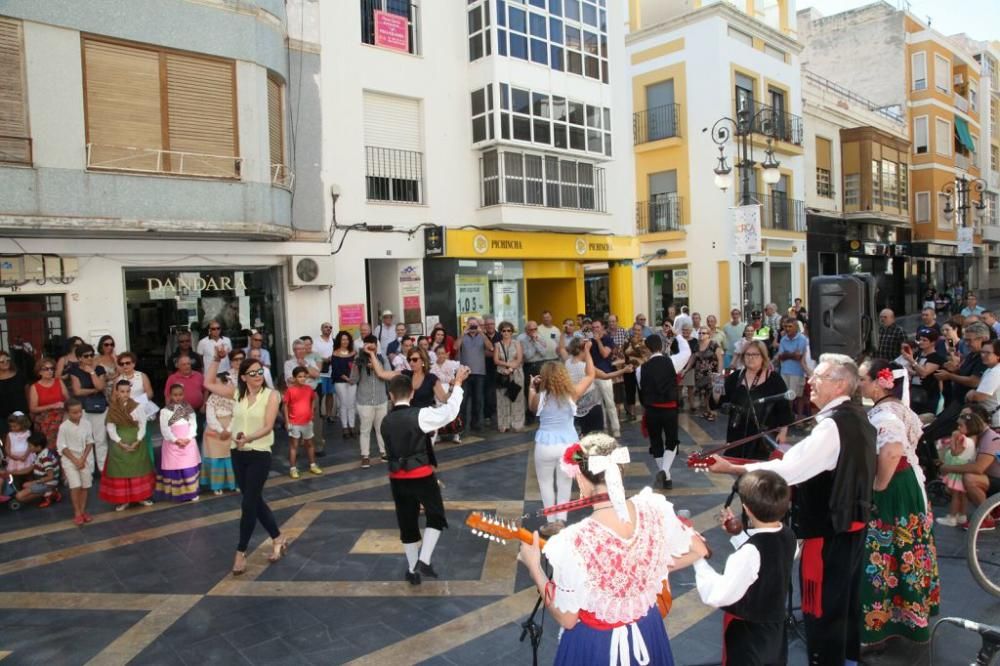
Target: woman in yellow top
[(253, 422)]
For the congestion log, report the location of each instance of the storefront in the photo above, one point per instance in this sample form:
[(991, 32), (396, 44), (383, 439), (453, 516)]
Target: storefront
[(940, 266), (516, 275), (668, 287)]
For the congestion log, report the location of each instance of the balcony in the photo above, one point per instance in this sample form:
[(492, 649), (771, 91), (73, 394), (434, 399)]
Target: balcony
[(777, 124), (661, 213), (508, 177), (157, 161), (962, 161), (282, 176), (961, 103), (395, 176), (15, 150), (659, 122), (779, 213)]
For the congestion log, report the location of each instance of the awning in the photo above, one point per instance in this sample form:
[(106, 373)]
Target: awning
[(962, 132)]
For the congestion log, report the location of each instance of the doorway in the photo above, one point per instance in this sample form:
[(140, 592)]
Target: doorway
[(32, 327)]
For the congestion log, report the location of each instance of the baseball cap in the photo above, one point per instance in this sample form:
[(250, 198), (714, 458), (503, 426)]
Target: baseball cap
[(928, 333), (387, 313), (756, 314)]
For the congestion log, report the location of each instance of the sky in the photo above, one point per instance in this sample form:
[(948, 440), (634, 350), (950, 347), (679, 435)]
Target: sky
[(979, 18)]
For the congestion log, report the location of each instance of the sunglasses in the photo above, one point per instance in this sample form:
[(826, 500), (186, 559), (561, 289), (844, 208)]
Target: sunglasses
[(108, 344), (86, 356), (49, 368), (414, 359), (259, 372), (506, 330), (124, 363)]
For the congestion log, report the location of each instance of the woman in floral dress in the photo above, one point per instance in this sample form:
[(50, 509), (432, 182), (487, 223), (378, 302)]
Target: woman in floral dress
[(900, 589), (707, 359)]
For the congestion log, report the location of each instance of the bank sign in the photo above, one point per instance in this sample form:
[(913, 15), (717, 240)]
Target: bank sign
[(537, 245)]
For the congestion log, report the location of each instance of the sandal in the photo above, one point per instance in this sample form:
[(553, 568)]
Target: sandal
[(243, 570), (710, 416), (280, 548)]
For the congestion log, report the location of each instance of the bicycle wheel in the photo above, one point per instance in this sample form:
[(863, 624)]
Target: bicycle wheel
[(983, 548)]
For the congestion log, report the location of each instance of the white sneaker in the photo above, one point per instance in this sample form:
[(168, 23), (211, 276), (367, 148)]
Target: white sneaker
[(948, 521), (121, 507)]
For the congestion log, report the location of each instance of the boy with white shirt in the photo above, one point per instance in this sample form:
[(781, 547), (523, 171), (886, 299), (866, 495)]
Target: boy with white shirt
[(75, 444)]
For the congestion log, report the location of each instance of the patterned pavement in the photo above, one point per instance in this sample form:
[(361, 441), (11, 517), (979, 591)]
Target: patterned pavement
[(151, 586)]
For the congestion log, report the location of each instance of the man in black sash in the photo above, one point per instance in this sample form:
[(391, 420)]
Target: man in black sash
[(657, 380), (406, 431), (833, 471)]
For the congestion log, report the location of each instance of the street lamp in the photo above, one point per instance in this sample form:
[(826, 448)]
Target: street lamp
[(743, 130), (958, 199)]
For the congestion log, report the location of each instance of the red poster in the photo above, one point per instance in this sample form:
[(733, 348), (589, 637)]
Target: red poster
[(391, 31), (411, 302), (351, 315)]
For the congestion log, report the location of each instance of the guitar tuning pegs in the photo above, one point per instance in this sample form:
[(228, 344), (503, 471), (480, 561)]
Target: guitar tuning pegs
[(503, 541)]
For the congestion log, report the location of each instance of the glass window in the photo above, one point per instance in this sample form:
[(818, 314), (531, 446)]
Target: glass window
[(478, 102), (589, 14), (501, 42), (538, 26), (518, 20), (541, 131), (540, 105), (572, 9), (556, 58), (539, 52), (593, 116), (501, 12), (519, 46), (504, 96), (555, 30), (522, 128), (576, 113), (555, 7), (521, 101)]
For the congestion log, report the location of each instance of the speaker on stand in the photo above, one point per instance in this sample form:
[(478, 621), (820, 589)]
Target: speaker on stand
[(842, 315)]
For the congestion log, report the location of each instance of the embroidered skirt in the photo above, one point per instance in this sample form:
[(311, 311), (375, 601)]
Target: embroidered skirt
[(128, 476), (217, 473), (584, 645), (900, 588), (177, 485)]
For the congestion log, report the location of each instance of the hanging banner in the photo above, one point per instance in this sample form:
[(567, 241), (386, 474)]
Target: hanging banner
[(472, 297), (746, 229), (505, 301), (680, 283), (965, 240)]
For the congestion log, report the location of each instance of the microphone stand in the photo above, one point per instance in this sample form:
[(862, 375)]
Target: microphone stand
[(534, 630)]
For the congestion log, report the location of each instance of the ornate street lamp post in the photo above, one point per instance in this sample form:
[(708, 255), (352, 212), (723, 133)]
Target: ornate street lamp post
[(958, 198)]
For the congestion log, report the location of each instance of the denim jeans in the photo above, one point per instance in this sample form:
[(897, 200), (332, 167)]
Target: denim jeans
[(472, 401)]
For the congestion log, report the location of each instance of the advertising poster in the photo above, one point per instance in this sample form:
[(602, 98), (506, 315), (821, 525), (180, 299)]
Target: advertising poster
[(505, 301), (965, 240), (472, 297), (391, 31), (349, 317), (411, 289), (746, 229), (680, 283)]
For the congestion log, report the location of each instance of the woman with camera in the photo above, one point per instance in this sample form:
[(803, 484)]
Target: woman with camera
[(925, 389), (509, 357)]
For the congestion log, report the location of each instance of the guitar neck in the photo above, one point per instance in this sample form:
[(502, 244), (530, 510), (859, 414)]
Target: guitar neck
[(527, 537)]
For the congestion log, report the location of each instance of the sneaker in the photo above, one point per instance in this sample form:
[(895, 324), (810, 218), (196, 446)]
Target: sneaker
[(217, 492), (413, 577), (315, 469), (426, 569), (195, 498), (951, 521), (662, 481), (294, 472), (147, 502), (457, 439), (45, 503), (365, 462), (121, 507)]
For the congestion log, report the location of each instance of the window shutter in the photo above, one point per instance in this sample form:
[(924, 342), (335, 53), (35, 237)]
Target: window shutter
[(392, 122), (920, 138), (275, 124), (14, 146), (123, 106), (823, 160), (201, 116)]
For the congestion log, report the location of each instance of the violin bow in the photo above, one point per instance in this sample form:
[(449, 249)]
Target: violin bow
[(704, 456)]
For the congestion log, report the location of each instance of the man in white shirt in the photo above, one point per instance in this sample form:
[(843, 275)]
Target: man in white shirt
[(683, 319), (987, 394), (549, 334), (385, 331), (207, 346), (323, 347), (834, 471)]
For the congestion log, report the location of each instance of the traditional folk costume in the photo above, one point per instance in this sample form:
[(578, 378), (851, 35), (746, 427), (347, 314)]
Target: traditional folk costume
[(177, 478), (127, 476), (612, 583), (216, 462), (752, 592), (833, 471), (900, 588), (406, 431), (657, 379)]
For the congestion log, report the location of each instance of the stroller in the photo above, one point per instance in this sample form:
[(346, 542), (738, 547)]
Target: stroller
[(8, 492)]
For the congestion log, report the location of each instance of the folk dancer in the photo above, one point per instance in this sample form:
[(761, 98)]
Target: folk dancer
[(657, 379), (833, 470), (406, 431)]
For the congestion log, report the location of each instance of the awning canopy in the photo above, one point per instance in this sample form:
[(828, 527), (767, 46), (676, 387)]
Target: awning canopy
[(962, 132)]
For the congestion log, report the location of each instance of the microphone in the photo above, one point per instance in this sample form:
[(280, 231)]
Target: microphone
[(787, 395), (985, 630)]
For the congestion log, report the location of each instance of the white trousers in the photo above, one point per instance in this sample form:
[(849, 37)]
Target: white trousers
[(371, 415), (607, 389), (98, 425), (554, 486), (346, 397)]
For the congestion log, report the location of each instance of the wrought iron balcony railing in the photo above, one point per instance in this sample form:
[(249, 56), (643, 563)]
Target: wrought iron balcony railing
[(659, 122), (661, 213)]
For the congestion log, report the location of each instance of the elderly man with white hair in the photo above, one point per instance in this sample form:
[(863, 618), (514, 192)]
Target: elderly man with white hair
[(833, 470)]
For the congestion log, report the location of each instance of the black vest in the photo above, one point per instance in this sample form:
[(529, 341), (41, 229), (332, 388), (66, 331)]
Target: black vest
[(829, 502), (765, 600), (658, 381), (405, 442)]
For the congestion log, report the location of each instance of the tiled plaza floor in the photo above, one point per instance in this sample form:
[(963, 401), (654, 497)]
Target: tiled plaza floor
[(151, 586)]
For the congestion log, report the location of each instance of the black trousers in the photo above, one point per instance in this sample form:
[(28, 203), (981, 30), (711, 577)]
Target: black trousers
[(836, 634), (409, 495), (662, 426), (592, 421), (631, 390), (251, 469), (754, 643)]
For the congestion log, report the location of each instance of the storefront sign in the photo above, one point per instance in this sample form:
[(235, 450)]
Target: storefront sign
[(472, 295), (746, 229), (680, 283), (434, 241), (391, 31), (505, 301), (965, 240), (192, 282), (351, 315), (537, 245)]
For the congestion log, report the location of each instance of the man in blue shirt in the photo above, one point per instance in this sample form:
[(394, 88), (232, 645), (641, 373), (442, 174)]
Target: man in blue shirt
[(791, 351), (971, 306)]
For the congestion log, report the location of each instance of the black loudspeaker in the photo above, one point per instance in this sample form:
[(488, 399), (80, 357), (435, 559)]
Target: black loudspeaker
[(842, 315)]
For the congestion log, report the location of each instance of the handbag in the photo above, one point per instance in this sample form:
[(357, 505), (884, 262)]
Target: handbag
[(96, 403)]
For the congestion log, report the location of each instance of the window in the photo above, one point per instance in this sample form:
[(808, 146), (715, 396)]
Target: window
[(276, 132), (394, 168), (158, 111), (852, 190), (565, 35), (876, 185), (824, 179), (994, 158), (890, 184), (921, 141), (536, 180), (482, 114), (919, 66), (15, 143), (479, 31), (942, 74), (740, 36), (922, 203), (744, 95), (904, 191), (554, 121), (398, 8), (774, 53), (973, 97), (942, 136)]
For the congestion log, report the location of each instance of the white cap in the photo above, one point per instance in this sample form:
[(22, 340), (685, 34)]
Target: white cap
[(387, 313)]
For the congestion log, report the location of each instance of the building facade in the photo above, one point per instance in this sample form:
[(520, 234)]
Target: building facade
[(472, 148), (692, 63)]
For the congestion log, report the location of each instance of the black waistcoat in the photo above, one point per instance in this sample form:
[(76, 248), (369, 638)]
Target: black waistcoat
[(829, 502), (765, 600), (405, 442), (658, 381)]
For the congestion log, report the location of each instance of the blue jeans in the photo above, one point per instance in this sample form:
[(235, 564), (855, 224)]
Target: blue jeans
[(472, 401)]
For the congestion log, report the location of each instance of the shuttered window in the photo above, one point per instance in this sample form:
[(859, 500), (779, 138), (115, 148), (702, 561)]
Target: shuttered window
[(392, 122), (157, 111), (15, 144), (393, 149), (824, 168), (275, 127)]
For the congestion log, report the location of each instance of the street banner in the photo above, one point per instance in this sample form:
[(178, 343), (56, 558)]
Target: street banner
[(965, 240), (746, 229)]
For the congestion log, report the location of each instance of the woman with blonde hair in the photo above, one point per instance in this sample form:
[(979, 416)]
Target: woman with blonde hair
[(744, 389), (553, 396)]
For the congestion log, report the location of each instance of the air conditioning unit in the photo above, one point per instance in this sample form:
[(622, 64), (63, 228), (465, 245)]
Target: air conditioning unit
[(311, 271)]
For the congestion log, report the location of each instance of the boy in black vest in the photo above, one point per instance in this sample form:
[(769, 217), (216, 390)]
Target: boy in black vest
[(657, 380), (406, 431), (753, 587)]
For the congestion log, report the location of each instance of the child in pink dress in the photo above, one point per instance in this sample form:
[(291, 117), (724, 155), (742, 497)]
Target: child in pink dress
[(958, 449), (180, 462)]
